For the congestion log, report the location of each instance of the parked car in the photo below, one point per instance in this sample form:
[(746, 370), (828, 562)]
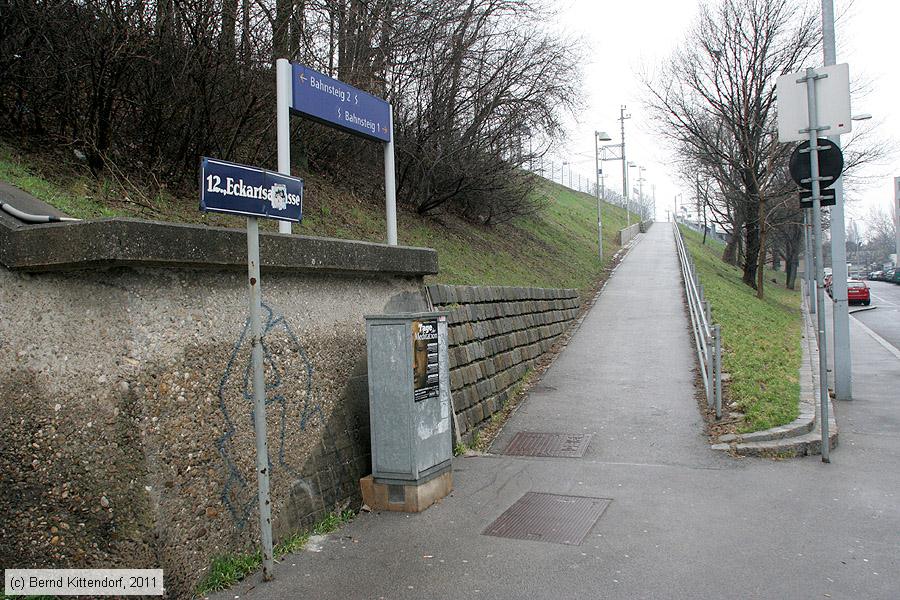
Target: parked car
[(858, 292), (896, 276)]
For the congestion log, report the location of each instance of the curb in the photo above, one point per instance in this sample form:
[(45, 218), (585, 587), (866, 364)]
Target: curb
[(800, 437)]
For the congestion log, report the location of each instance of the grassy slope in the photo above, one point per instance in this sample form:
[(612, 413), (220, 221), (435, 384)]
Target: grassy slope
[(555, 248), (761, 337)]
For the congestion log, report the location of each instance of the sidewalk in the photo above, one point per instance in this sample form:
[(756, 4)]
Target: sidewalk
[(682, 521)]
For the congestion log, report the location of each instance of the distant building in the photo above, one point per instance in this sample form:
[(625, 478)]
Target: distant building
[(694, 220)]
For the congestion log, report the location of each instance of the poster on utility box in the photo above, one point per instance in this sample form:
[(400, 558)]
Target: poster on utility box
[(426, 379)]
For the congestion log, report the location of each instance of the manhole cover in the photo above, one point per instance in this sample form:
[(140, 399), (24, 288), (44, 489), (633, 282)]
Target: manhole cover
[(561, 445), (549, 518)]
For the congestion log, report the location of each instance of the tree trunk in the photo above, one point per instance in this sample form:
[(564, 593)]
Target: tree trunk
[(761, 258), (281, 30), (245, 32), (705, 226), (163, 22), (229, 25), (751, 252), (790, 271), (730, 255)]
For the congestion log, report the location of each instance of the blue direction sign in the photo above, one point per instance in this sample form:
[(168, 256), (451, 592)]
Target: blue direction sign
[(333, 102), (238, 189)]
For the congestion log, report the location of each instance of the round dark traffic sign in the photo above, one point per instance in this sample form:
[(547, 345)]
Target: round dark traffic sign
[(831, 163)]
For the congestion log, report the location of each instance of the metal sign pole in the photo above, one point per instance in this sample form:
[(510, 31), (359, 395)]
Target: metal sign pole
[(390, 189), (808, 263), (843, 378), (259, 398), (283, 91), (897, 219), (813, 131), (597, 189)]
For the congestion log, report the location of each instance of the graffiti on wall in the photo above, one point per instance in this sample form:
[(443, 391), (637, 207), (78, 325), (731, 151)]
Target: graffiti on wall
[(287, 372), (236, 496)]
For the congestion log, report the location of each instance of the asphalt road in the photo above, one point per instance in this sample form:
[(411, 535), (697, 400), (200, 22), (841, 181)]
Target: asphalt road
[(885, 318)]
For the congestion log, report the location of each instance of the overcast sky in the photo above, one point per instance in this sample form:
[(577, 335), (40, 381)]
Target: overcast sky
[(622, 38)]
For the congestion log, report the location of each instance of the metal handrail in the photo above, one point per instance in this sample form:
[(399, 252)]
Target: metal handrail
[(707, 335)]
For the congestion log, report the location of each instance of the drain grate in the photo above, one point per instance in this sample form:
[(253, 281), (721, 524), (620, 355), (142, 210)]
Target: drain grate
[(557, 445), (549, 518)]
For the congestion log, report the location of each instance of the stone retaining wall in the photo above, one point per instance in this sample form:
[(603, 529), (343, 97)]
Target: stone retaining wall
[(645, 226), (496, 335)]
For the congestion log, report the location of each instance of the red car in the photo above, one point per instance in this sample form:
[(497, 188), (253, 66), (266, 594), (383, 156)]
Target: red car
[(858, 292)]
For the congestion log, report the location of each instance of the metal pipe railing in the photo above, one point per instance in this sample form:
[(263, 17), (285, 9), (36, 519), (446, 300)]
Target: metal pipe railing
[(707, 336)]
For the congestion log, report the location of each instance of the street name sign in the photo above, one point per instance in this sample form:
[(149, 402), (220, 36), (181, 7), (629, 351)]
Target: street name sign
[(832, 106), (231, 188), (228, 187), (333, 102)]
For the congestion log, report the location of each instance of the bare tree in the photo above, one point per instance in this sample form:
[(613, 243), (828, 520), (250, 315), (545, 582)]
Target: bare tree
[(880, 234), (716, 99), (154, 85)]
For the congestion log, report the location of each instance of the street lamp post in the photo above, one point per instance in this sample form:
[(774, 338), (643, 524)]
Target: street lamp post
[(641, 190), (631, 165), (622, 117), (840, 314), (599, 136), (897, 219)]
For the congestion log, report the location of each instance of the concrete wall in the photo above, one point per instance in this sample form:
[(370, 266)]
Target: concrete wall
[(125, 403), (645, 226), (496, 335), (627, 234)]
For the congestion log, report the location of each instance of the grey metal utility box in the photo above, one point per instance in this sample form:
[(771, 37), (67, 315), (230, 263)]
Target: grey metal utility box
[(409, 396)]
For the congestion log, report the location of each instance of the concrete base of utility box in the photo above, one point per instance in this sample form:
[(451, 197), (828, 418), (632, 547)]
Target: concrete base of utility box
[(405, 497)]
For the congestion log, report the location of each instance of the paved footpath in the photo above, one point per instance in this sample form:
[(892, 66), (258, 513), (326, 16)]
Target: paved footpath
[(683, 521)]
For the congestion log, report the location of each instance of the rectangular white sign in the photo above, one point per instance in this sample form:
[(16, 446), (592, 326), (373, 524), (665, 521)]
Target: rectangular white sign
[(832, 103), (84, 582)]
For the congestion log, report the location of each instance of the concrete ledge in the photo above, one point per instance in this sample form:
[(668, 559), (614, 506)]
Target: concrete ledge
[(808, 444), (798, 427), (443, 295), (626, 235), (136, 242)]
